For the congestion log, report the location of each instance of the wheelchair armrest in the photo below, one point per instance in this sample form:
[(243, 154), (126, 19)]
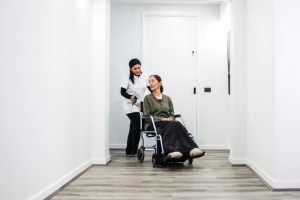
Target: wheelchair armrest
[(177, 115), (145, 117)]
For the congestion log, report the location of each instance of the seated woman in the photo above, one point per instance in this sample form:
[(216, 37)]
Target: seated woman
[(175, 138)]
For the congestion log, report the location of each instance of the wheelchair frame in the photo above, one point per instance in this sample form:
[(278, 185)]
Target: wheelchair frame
[(158, 159)]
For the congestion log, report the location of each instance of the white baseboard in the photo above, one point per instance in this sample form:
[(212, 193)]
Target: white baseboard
[(287, 185), (261, 173), (117, 146), (100, 161), (272, 183), (69, 176), (237, 161), (217, 147), (62, 181)]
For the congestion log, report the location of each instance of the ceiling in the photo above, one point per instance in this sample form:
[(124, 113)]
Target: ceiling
[(168, 1)]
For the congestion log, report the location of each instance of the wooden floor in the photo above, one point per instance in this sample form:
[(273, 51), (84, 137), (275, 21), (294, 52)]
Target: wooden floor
[(208, 178)]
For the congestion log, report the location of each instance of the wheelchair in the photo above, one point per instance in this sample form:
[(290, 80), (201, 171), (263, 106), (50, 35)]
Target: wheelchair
[(158, 157)]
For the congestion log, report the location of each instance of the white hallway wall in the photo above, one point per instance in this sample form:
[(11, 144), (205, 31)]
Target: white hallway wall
[(271, 86), (260, 87), (273, 91), (238, 96), (46, 91), (126, 43), (287, 93), (100, 12)]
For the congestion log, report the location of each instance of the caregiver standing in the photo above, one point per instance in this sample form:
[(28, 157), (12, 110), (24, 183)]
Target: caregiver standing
[(133, 88)]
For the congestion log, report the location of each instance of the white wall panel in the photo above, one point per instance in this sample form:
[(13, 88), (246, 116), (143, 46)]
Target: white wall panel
[(213, 108), (45, 95)]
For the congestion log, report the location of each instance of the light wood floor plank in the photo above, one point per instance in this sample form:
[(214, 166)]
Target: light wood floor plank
[(208, 178)]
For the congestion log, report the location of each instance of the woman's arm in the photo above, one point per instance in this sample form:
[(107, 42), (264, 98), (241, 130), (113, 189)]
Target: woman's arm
[(124, 93), (128, 96), (124, 85), (172, 114), (146, 107), (169, 110)]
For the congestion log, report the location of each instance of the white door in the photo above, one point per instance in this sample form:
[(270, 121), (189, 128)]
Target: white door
[(169, 50)]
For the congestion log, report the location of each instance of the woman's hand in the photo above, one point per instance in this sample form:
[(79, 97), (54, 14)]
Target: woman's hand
[(133, 99), (167, 119)]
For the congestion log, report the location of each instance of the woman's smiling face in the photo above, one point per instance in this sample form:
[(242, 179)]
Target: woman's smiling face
[(136, 69), (154, 84)]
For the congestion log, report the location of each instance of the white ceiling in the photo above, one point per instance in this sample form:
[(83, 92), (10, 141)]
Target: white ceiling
[(168, 1)]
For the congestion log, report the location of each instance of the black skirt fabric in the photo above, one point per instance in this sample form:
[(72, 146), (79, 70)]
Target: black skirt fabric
[(175, 137)]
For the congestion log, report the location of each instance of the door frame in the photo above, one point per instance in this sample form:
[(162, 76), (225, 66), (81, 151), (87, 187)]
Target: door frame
[(176, 14)]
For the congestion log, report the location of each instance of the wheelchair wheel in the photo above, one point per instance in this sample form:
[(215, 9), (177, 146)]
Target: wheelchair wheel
[(140, 155), (154, 160)]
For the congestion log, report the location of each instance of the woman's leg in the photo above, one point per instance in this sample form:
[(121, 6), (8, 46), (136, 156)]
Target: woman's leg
[(134, 133), (128, 147), (163, 129), (176, 138), (160, 128)]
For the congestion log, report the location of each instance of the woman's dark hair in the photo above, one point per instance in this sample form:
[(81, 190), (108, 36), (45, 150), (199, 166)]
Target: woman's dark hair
[(157, 77), (132, 63)]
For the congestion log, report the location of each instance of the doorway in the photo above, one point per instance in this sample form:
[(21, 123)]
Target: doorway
[(169, 49)]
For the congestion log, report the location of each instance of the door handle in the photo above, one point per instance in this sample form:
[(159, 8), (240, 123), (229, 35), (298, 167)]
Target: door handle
[(194, 89)]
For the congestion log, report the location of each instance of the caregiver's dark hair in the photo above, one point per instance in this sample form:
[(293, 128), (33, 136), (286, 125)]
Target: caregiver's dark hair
[(132, 63)]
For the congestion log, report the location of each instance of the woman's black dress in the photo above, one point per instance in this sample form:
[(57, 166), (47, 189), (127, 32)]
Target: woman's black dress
[(175, 137)]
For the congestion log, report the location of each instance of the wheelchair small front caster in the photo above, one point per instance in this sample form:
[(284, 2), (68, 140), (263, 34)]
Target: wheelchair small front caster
[(190, 160), (140, 155), (154, 160)]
